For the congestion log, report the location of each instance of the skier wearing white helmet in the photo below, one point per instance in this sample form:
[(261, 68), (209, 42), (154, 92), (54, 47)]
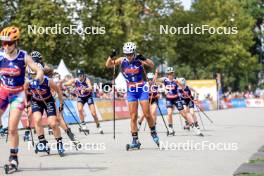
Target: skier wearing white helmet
[(132, 68), (173, 98)]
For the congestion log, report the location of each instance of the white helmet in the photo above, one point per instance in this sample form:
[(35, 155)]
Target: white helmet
[(150, 75), (169, 70), (129, 48), (182, 81)]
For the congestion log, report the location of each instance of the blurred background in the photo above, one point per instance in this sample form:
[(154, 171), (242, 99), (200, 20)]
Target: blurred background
[(236, 61)]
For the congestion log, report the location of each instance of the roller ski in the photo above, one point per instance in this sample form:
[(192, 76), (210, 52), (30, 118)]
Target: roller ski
[(26, 136), (60, 147), (197, 125), (196, 131), (12, 166), (100, 130), (71, 136), (42, 147), (155, 137), (84, 128), (3, 131), (50, 132), (187, 126), (134, 145), (170, 132)]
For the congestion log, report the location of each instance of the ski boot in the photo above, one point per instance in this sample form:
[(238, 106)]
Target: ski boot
[(26, 136), (197, 125), (187, 126), (42, 147), (139, 125), (84, 128), (170, 131), (196, 131), (100, 130), (73, 139), (155, 137), (134, 145), (12, 166), (3, 131), (50, 132), (60, 147)]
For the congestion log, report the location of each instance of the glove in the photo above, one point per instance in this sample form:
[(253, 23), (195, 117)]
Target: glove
[(141, 57), (113, 53), (35, 84), (61, 107)]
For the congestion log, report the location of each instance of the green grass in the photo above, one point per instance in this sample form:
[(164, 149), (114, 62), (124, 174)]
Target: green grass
[(250, 175), (256, 161)]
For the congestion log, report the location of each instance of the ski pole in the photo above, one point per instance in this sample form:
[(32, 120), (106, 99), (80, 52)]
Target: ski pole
[(114, 118), (29, 126), (200, 118), (196, 104), (74, 118), (162, 117)]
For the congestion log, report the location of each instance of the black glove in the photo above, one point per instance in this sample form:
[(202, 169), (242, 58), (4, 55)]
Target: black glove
[(141, 57), (113, 53)]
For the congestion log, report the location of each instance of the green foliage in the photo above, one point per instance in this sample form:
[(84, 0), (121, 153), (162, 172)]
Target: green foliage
[(193, 56)]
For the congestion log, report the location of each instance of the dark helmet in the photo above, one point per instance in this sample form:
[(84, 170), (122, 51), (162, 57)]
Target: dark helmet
[(36, 56), (80, 72)]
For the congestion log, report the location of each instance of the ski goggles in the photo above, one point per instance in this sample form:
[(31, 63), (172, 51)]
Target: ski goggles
[(8, 43)]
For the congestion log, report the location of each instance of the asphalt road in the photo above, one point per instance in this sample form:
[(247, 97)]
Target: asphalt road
[(235, 135)]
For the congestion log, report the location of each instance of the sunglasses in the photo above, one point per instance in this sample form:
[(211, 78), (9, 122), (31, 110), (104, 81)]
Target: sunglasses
[(129, 55), (9, 43)]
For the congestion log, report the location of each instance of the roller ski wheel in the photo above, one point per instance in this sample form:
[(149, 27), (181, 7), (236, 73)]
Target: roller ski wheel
[(134, 145), (170, 133), (201, 134), (100, 130), (41, 151), (84, 130), (12, 166), (77, 145), (196, 131)]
